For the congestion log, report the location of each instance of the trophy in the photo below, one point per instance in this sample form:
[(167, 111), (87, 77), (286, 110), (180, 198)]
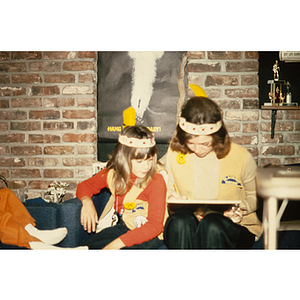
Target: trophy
[(276, 94)]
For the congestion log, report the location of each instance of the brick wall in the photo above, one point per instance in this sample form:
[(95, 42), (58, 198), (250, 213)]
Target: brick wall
[(47, 118), (48, 114), (231, 79)]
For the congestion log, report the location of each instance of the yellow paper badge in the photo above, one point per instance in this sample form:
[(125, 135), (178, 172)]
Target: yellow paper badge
[(129, 205), (181, 158)]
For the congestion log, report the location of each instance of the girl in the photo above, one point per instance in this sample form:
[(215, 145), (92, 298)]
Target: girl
[(203, 163), (138, 197)]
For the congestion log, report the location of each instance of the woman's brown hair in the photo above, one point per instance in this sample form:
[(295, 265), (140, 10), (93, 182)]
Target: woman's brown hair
[(120, 161), (202, 110)]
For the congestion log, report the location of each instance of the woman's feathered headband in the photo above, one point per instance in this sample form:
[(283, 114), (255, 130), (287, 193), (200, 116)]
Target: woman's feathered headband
[(199, 129)]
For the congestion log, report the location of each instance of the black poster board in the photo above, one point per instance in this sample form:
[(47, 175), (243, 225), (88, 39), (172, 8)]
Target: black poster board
[(121, 75), (289, 71)]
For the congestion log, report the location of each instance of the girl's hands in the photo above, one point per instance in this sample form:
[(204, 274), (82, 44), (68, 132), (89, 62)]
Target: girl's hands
[(88, 217)]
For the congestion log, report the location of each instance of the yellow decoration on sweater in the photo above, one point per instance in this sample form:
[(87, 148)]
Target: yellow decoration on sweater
[(129, 205), (181, 158)]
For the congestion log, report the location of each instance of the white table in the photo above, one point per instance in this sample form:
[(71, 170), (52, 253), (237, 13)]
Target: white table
[(274, 184)]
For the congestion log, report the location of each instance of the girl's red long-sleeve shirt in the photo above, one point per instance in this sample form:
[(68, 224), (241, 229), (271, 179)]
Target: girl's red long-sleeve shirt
[(154, 194)]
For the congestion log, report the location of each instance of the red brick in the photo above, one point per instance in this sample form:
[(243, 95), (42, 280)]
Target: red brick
[(73, 162), (278, 138), (196, 54), (251, 55), (51, 66), (250, 127), (78, 138), (244, 66), (58, 102), (4, 56), (12, 138), (59, 78), (293, 114), (250, 103), (233, 126), (25, 173), (249, 79), (12, 91), (16, 184), (221, 80), (78, 114), (26, 150), (58, 150), (87, 102), (278, 150), (4, 79), (279, 126), (57, 54), (24, 78), (13, 115), (58, 125), (42, 162), (58, 173), (26, 55), (44, 114), (84, 149), (245, 139), (25, 126), (43, 138), (86, 78), (85, 125), (4, 150), (242, 93), (12, 162), (3, 126), (204, 67), (45, 90), (293, 138), (39, 184), (4, 104), (267, 161), (78, 66), (292, 160), (229, 104), (224, 54), (13, 67), (78, 90), (87, 54), (26, 102), (241, 115)]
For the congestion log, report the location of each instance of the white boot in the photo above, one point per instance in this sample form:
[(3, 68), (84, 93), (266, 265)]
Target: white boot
[(50, 237)]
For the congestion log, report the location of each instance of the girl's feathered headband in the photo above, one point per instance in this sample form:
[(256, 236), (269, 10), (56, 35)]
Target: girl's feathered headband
[(136, 143), (199, 129)]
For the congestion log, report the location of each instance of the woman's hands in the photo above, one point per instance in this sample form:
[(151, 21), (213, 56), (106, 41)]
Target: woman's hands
[(88, 217), (235, 214)]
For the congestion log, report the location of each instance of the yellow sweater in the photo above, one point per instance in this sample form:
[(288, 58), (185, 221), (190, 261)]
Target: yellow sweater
[(232, 177)]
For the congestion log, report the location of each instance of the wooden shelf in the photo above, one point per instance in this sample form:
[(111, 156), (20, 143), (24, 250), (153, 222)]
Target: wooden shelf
[(277, 107)]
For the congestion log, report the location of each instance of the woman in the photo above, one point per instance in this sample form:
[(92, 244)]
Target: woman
[(203, 163), (137, 206)]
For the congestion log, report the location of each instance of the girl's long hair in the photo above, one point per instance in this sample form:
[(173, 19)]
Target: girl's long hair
[(202, 110), (120, 161)]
